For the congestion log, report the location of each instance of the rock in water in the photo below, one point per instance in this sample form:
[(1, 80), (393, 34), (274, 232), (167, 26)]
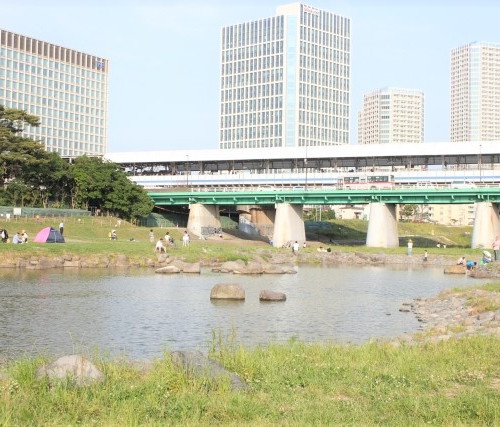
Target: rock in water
[(227, 291), (266, 295)]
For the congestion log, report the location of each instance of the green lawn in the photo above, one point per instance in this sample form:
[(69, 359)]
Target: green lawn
[(450, 383)]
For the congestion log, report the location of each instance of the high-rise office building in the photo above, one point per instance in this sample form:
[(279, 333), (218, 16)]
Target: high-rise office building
[(475, 92), (391, 115), (66, 89), (285, 80)]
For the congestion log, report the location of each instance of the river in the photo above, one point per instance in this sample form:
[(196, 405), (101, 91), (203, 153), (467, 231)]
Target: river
[(139, 314)]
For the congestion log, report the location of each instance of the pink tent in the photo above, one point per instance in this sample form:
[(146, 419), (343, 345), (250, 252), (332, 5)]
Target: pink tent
[(49, 235)]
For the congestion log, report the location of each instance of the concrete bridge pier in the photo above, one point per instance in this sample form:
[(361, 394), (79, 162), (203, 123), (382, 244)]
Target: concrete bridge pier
[(204, 220), (288, 225), (382, 226), (257, 220), (486, 225)]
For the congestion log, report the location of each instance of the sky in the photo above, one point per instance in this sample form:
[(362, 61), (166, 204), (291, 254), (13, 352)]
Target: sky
[(165, 56)]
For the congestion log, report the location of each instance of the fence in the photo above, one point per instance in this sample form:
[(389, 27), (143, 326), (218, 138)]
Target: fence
[(11, 213)]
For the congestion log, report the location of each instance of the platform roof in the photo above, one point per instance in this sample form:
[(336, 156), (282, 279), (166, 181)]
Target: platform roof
[(336, 152)]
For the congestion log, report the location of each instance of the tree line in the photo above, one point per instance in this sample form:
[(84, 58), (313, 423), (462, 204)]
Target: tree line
[(33, 177)]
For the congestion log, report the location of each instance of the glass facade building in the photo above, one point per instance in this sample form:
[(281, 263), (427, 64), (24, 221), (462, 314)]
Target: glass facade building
[(285, 80), (475, 92), (66, 89), (391, 115)]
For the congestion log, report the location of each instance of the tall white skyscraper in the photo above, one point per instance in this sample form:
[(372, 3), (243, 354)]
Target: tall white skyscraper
[(391, 115), (66, 89), (285, 80), (475, 92)]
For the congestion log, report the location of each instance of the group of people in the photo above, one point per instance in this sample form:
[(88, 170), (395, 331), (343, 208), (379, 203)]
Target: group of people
[(486, 257), (20, 237), (167, 240)]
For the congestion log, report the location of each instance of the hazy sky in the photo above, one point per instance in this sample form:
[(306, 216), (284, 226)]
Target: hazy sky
[(164, 56)]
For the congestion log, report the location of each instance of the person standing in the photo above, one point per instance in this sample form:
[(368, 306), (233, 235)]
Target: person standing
[(496, 247), (410, 247), (151, 236), (61, 227), (185, 239), (425, 256), (295, 248)]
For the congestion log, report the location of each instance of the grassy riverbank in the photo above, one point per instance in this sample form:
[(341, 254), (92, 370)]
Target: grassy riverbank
[(89, 237), (452, 383)]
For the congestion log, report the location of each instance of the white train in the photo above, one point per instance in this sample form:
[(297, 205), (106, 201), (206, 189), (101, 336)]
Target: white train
[(317, 180)]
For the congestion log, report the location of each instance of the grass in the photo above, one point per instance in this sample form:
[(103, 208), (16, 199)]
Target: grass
[(452, 383), (88, 237)]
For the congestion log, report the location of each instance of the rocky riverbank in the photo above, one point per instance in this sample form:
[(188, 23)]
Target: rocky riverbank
[(455, 314), (260, 256)]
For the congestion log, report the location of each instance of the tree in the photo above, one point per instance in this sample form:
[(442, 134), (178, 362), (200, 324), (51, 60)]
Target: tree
[(31, 176), (29, 173), (103, 185), (407, 211)]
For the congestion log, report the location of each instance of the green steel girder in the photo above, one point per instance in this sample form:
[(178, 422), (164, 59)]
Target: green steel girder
[(329, 197)]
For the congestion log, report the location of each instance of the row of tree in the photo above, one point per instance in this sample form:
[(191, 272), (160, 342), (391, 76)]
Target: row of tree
[(33, 177)]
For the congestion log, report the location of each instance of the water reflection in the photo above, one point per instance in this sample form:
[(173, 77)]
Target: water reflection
[(140, 314)]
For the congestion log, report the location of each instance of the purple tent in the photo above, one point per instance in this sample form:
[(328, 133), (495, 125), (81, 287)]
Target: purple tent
[(49, 235)]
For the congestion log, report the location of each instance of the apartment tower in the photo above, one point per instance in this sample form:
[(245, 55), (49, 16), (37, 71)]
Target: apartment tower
[(285, 80), (475, 92), (391, 116), (65, 88)]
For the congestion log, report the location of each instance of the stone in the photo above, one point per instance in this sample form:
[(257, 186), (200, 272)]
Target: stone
[(74, 367), (72, 264), (481, 274), (186, 267), (227, 291), (454, 269), (194, 363), (169, 269), (122, 261), (273, 269), (162, 258), (251, 268), (230, 266), (266, 295)]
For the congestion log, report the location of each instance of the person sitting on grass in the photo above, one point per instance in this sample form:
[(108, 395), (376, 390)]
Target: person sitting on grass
[(160, 247)]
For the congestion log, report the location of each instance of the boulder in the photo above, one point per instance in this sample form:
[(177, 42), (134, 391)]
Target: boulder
[(162, 258), (279, 269), (266, 295), (75, 264), (481, 274), (252, 267), (122, 261), (227, 291), (230, 266), (194, 363), (186, 267), (454, 269), (169, 269), (75, 368)]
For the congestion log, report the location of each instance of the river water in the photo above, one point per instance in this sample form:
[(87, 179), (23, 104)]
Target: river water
[(139, 314)]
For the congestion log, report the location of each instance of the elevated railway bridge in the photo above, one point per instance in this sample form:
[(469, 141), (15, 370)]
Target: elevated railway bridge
[(270, 186)]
